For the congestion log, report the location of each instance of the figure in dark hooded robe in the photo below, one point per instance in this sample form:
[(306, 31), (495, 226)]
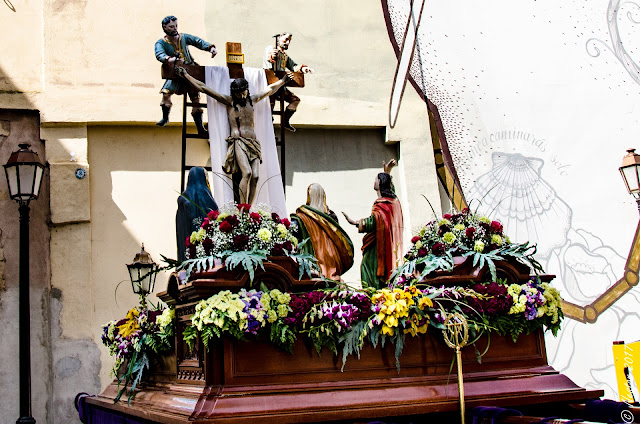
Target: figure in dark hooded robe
[(193, 205)]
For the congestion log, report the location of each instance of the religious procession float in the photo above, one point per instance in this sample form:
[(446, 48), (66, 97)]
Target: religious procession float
[(257, 324)]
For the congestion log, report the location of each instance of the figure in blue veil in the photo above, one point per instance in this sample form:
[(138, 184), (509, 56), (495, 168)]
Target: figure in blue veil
[(193, 205)]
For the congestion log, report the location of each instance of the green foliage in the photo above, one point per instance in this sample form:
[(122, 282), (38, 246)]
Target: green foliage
[(190, 336), (197, 264), (352, 341), (323, 336), (480, 259), (306, 263), (249, 260), (283, 336)]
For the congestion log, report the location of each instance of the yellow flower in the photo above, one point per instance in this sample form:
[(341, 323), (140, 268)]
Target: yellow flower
[(443, 222), (484, 219), (131, 325), (418, 244), (496, 239), (222, 216), (387, 330), (425, 302), (459, 227), (478, 246)]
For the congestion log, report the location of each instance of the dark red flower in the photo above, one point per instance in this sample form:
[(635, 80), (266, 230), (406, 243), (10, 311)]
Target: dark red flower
[(207, 243), (232, 220), (192, 251), (443, 229), (275, 217), (285, 222), (422, 252), (469, 232), (415, 239), (438, 248), (277, 250), (206, 224), (187, 242), (240, 241), (213, 215), (244, 207), (447, 216), (485, 226), (255, 217), (288, 246), (496, 227), (225, 227), (465, 211)]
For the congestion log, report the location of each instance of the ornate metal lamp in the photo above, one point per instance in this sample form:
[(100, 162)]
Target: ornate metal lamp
[(24, 176), (142, 273), (630, 171)]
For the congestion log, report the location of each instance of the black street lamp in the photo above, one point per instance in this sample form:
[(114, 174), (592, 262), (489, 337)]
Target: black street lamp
[(142, 273), (630, 171), (24, 176)]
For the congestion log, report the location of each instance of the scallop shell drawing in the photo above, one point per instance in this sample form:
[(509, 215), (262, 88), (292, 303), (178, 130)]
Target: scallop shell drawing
[(529, 208)]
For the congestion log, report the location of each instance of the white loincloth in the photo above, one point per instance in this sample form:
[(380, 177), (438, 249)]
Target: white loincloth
[(270, 189)]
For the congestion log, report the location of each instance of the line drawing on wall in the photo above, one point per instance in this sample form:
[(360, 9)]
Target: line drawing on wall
[(617, 47)]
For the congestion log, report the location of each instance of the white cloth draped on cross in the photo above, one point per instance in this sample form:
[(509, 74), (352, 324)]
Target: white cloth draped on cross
[(270, 189)]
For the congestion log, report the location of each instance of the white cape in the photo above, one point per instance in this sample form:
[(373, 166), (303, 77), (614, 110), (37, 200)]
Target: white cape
[(270, 188)]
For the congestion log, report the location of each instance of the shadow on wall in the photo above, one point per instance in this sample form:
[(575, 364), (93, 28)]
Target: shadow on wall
[(23, 126)]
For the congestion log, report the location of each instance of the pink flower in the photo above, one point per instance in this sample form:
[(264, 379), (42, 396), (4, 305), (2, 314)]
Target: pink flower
[(255, 217), (285, 222), (244, 207), (447, 216), (415, 239), (496, 227), (225, 227), (213, 215)]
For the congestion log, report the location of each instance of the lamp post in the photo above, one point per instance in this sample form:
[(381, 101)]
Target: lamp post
[(24, 176), (142, 273), (630, 171)]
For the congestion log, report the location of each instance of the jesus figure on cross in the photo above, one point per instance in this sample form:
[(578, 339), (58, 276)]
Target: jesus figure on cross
[(243, 148)]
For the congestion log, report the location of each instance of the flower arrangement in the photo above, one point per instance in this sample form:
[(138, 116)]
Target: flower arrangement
[(344, 319), (463, 234), (236, 314), (243, 235), (238, 228), (134, 339)]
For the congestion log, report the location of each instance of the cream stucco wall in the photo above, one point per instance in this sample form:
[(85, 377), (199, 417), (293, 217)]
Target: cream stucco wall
[(89, 68)]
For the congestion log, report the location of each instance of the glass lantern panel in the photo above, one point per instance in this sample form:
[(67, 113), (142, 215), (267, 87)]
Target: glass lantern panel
[(12, 179), (26, 175), (36, 187), (631, 177)]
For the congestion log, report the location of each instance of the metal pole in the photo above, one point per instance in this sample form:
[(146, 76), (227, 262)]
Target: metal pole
[(24, 320), (460, 384)]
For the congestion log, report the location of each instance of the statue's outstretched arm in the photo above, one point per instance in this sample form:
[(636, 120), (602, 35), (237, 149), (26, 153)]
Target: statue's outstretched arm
[(271, 89), (200, 86)]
